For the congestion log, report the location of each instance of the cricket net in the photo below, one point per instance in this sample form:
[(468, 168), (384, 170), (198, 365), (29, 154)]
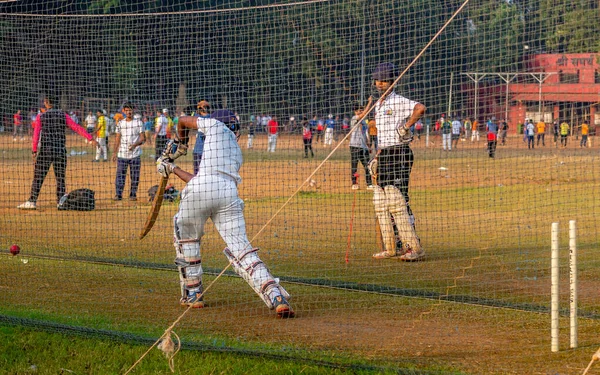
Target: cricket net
[(479, 301)]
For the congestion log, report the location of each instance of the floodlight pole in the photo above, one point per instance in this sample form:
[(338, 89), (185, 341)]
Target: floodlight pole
[(476, 77), (507, 78)]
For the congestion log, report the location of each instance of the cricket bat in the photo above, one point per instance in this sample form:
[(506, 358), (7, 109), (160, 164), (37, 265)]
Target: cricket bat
[(155, 209)]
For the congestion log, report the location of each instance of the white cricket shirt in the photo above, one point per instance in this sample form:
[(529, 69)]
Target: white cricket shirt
[(130, 133), (222, 154), (389, 115)]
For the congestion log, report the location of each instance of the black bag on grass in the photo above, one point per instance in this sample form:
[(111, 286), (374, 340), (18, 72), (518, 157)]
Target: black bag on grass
[(78, 200)]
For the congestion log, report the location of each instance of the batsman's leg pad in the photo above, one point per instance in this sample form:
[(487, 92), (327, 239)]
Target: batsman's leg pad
[(188, 262), (250, 268), (399, 210), (385, 221)]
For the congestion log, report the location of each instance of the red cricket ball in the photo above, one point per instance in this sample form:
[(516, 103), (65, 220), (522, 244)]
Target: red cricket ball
[(15, 249)]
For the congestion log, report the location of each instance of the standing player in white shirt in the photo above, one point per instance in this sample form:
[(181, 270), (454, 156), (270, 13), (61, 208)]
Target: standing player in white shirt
[(394, 115), (127, 152), (212, 193)]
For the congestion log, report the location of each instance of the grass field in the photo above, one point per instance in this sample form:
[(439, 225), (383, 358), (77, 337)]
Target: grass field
[(478, 304)]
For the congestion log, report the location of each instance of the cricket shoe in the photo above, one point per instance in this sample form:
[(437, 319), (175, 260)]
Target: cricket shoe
[(29, 205), (194, 300), (355, 187), (283, 308), (412, 255)]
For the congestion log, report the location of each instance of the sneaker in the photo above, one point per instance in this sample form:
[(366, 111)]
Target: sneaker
[(133, 199), (412, 255), (283, 308), (95, 161), (194, 300), (29, 205), (117, 198), (370, 187), (355, 187)]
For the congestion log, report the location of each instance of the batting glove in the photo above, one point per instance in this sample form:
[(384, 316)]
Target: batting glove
[(178, 150), (164, 166), (405, 136)]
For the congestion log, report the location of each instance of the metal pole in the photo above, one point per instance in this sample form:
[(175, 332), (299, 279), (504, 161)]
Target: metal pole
[(554, 289), (450, 96), (540, 98)]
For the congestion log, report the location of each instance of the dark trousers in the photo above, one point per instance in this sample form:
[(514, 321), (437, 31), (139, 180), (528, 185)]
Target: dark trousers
[(159, 147), (530, 143), (359, 154), (373, 139), (308, 146), (491, 146), (583, 142), (563, 140), (541, 136), (57, 158), (394, 167), (134, 175), (197, 159)]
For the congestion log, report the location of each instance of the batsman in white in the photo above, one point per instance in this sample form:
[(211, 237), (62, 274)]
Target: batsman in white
[(213, 194), (394, 115)]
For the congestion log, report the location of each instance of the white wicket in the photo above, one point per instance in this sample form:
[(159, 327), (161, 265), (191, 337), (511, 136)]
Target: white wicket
[(555, 293), (573, 282), (554, 290)]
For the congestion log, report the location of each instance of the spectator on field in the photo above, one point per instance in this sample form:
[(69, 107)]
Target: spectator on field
[(272, 131), (492, 137), (446, 128), (585, 131), (475, 131), (48, 148), (127, 153), (530, 132), (148, 127), (90, 122), (307, 138), (372, 131), (555, 132), (359, 149), (329, 128), (457, 130), (320, 128), (541, 132), (564, 133), (503, 132), (100, 131), (468, 125), (160, 133), (18, 126)]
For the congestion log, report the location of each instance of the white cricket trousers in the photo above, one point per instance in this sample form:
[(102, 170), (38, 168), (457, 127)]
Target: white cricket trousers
[(250, 141), (475, 135), (101, 150), (447, 141), (328, 136), (272, 143), (215, 197)]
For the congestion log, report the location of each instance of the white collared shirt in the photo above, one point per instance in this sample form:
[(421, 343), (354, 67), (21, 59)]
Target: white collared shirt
[(389, 116)]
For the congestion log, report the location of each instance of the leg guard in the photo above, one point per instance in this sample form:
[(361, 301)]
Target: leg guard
[(189, 264), (249, 266), (398, 208), (385, 221)]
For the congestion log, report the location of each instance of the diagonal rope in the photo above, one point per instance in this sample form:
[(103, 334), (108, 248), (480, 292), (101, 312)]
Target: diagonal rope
[(284, 205)]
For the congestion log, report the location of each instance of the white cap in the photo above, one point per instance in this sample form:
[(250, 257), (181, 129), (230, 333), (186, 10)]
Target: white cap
[(330, 115), (292, 118), (165, 110)]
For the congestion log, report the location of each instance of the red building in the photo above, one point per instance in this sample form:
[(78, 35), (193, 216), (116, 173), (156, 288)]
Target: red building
[(563, 87)]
